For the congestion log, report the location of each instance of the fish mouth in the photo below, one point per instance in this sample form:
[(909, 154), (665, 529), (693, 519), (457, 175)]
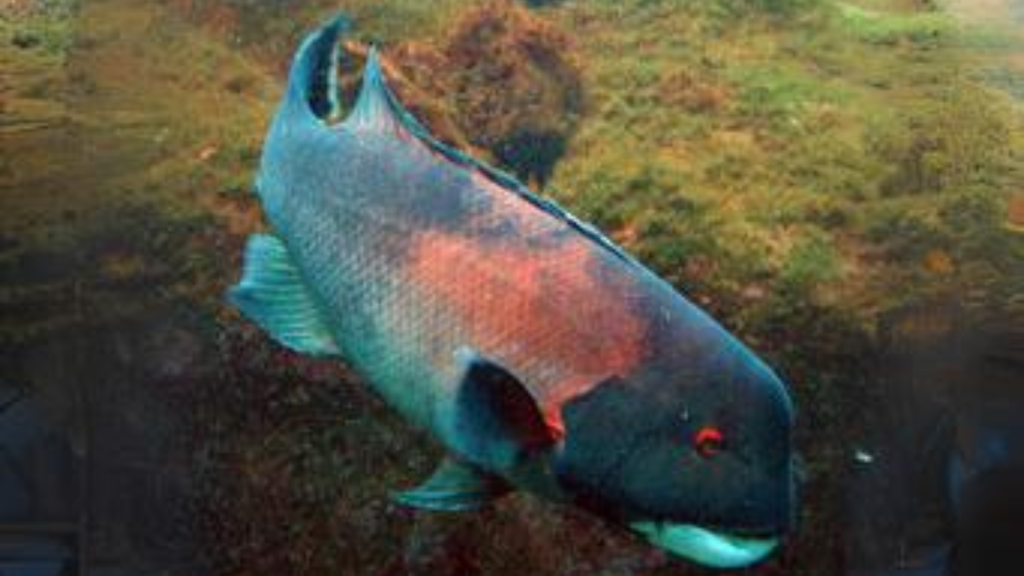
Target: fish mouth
[(711, 548)]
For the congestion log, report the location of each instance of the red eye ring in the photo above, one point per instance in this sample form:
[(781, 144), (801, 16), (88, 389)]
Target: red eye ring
[(708, 441)]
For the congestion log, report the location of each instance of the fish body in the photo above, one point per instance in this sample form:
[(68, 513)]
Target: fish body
[(542, 355)]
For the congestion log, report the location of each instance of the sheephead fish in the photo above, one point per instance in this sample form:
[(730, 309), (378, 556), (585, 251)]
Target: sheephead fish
[(542, 355)]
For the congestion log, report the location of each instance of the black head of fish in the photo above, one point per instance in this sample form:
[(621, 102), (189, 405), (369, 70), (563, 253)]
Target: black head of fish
[(701, 445)]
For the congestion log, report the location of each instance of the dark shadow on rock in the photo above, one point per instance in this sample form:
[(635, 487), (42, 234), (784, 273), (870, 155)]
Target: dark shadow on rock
[(531, 156)]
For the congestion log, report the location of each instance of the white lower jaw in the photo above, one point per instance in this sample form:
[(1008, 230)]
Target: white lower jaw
[(704, 546)]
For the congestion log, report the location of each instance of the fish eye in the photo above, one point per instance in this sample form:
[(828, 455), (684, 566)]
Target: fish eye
[(708, 441)]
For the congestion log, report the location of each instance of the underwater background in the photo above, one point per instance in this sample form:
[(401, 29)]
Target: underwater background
[(840, 183)]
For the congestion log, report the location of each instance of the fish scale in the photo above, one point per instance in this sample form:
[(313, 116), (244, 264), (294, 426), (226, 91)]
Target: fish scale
[(366, 275)]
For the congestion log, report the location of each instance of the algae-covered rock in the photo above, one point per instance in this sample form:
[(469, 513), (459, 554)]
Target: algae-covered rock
[(517, 87)]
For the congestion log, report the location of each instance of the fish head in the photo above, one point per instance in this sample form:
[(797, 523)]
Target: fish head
[(694, 458)]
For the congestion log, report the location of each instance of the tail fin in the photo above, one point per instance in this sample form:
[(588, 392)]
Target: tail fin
[(312, 83)]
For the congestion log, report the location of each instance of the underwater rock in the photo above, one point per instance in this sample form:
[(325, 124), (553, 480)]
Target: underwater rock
[(517, 87)]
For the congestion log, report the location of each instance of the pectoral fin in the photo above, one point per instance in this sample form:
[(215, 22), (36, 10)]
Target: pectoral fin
[(495, 422), (455, 486), (273, 294)]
